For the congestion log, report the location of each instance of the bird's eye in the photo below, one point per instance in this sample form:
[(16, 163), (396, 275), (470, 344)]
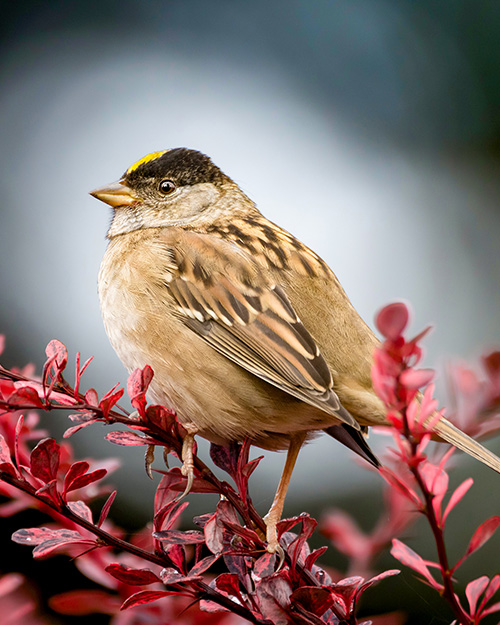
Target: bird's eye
[(167, 187)]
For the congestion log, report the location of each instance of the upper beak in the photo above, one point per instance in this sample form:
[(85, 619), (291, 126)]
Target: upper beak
[(116, 194)]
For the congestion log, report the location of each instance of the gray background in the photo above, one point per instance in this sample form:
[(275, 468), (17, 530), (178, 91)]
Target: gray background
[(371, 130)]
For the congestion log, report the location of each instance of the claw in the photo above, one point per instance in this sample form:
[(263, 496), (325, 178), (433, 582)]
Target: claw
[(149, 458), (187, 468), (166, 451), (273, 545), (189, 484), (281, 557)]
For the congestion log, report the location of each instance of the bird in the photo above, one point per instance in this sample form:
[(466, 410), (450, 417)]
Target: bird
[(248, 331)]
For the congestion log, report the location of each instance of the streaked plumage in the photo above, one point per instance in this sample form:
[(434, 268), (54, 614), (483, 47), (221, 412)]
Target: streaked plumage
[(248, 331)]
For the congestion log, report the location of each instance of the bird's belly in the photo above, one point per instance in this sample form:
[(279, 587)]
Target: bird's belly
[(222, 399)]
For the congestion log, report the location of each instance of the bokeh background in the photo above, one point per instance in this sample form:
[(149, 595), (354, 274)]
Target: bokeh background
[(371, 130)]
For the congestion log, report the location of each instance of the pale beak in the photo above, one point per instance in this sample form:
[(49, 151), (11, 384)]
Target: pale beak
[(116, 194)]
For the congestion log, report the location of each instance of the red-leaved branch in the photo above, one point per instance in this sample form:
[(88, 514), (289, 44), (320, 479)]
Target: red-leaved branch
[(221, 572)]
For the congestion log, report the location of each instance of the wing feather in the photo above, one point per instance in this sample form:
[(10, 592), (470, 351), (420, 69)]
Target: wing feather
[(235, 307)]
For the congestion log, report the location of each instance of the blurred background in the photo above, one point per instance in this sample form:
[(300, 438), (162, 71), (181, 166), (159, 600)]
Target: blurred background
[(370, 130)]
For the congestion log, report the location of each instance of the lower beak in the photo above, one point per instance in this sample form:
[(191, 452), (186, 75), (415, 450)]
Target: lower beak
[(116, 194)]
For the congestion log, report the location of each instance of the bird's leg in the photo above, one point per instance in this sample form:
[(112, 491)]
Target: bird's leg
[(187, 468), (274, 514)]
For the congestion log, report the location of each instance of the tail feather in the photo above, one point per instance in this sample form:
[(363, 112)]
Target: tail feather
[(451, 434), (354, 440)]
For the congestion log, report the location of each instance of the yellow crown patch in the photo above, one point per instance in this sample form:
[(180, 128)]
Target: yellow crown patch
[(145, 159)]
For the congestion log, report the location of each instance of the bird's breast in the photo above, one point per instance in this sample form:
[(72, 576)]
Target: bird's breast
[(223, 400)]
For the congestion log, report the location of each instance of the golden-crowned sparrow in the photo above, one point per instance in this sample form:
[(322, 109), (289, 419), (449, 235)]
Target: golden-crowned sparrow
[(248, 331)]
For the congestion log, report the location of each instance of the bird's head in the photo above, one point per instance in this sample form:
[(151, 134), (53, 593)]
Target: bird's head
[(171, 188)]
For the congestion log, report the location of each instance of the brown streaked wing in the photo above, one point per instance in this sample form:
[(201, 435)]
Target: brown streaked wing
[(251, 322)]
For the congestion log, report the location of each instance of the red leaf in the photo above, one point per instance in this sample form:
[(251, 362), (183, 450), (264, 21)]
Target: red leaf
[(214, 528), (87, 479), (202, 520), (392, 320), (84, 602), (46, 549), (491, 609), (299, 550), (474, 590), (250, 467), (228, 583), (9, 468), (225, 512), (199, 486), (345, 592), (214, 535), (483, 533), (105, 509), (376, 580), (177, 553), (128, 439), (170, 576), (91, 397), (76, 470), (44, 460), (410, 558), (165, 497), (161, 417), (416, 378), (49, 491), (36, 535), (313, 556), (57, 356), (17, 440), (109, 400), (147, 596), (285, 525), (273, 594), (393, 480), (491, 363), (249, 535), (239, 565), (4, 451), (81, 510), (314, 599), (47, 540), (139, 381), (6, 464), (265, 565), (25, 396), (133, 577), (490, 591), (174, 537), (56, 349), (203, 565), (74, 429), (79, 372), (244, 470), (457, 496), (137, 385), (436, 479), (6, 389), (225, 457)]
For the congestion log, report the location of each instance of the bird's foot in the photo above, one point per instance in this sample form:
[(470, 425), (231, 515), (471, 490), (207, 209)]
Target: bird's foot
[(187, 468), (273, 545)]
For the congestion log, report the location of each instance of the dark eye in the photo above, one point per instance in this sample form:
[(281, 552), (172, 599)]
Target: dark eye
[(167, 187)]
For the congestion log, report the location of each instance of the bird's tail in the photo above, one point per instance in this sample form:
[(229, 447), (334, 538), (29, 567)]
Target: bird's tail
[(451, 434), (355, 440)]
